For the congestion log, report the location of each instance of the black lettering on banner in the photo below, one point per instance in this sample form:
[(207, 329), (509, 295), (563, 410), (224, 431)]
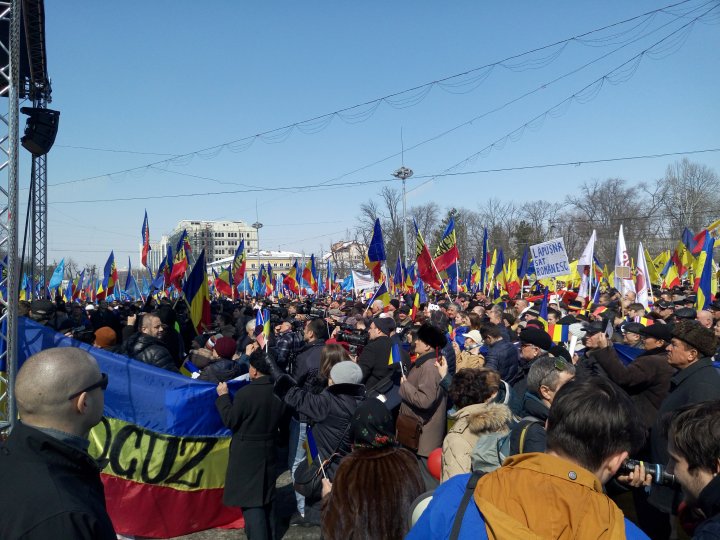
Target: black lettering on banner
[(168, 458), (107, 440), (207, 445), (116, 450)]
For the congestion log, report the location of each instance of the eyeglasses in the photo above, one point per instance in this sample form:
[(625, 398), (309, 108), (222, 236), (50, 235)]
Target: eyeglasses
[(102, 383)]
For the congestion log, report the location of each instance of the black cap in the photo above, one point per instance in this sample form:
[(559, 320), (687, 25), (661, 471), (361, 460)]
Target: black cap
[(594, 328), (633, 327), (537, 337), (662, 304), (657, 331), (686, 313)]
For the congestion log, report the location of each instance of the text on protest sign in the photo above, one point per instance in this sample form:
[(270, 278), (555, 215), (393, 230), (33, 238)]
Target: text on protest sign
[(550, 259)]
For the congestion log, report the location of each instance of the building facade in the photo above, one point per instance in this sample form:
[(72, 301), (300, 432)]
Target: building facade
[(219, 239), (281, 261)]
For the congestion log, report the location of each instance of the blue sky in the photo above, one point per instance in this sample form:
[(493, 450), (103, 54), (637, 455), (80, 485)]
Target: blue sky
[(172, 77)]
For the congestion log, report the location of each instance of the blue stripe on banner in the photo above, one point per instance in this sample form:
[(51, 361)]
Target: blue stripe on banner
[(150, 397), (627, 354)]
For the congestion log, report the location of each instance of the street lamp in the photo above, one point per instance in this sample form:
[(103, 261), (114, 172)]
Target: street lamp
[(257, 226), (403, 173)]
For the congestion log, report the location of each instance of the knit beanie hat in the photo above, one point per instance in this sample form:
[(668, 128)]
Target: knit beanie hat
[(346, 372)]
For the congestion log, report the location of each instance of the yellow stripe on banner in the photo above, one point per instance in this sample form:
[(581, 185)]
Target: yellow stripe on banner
[(141, 455)]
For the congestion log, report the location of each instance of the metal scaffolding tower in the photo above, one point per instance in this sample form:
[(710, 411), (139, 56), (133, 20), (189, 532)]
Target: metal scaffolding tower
[(9, 87)]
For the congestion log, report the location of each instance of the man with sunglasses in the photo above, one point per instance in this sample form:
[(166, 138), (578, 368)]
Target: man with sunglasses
[(49, 485)]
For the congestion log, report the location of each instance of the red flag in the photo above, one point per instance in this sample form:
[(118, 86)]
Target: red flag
[(425, 267)]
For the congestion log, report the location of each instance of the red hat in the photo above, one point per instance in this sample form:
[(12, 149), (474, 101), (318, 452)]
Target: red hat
[(225, 347)]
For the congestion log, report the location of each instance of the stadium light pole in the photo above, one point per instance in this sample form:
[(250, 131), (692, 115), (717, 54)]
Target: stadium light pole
[(403, 173), (257, 226)]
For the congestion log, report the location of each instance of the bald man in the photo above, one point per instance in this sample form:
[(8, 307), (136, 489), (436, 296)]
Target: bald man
[(705, 318), (49, 485), (147, 346)]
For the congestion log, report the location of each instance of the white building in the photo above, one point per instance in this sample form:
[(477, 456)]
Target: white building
[(346, 256), (219, 239), (281, 261)]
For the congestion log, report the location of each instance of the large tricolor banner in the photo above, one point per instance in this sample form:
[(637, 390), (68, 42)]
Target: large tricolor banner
[(164, 445)]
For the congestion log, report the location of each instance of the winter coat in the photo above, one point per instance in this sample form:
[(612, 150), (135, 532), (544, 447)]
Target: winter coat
[(502, 356), (530, 497), (49, 489), (646, 379), (222, 370), (468, 360), (150, 350), (698, 382), (374, 361), (471, 423), (253, 416), (424, 399), (709, 502), (307, 369), (328, 413)]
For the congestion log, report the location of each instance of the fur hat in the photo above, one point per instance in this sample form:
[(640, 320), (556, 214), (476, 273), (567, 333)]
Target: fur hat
[(697, 336), (537, 337), (432, 336), (384, 324)]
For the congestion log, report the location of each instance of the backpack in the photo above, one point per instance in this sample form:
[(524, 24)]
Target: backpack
[(503, 444)]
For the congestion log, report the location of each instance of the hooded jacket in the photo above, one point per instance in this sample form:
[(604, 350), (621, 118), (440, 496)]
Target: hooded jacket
[(472, 422)]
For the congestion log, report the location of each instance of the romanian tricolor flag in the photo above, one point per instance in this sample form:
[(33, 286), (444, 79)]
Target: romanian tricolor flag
[(446, 253), (705, 274), (425, 265), (543, 317), (180, 262), (267, 280), (197, 295), (239, 263), (290, 280), (484, 261), (162, 438), (376, 252), (145, 233), (309, 273), (107, 287), (395, 357), (415, 309), (381, 294), (560, 333), (262, 326), (223, 282)]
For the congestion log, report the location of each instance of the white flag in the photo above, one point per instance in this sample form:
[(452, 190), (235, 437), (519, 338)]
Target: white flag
[(642, 279), (623, 275), (583, 267)]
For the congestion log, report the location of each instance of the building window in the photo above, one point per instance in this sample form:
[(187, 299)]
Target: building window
[(252, 265)]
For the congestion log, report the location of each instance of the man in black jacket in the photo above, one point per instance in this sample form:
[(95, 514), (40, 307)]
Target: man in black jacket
[(374, 358), (253, 416), (307, 370), (146, 345), (49, 486)]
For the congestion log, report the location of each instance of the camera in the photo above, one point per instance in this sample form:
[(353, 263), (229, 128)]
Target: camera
[(83, 334), (353, 336), (657, 471)]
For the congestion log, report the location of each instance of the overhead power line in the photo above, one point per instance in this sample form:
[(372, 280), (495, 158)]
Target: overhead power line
[(350, 114), (573, 163), (618, 75)]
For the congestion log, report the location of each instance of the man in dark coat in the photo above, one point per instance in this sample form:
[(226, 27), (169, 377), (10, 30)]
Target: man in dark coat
[(374, 358), (253, 416), (647, 378), (534, 344), (49, 486), (146, 345), (502, 355), (695, 381)]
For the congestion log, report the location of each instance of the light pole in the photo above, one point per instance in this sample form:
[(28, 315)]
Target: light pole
[(403, 173), (257, 226)]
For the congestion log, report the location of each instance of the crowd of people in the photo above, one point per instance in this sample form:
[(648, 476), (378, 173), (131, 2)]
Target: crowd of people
[(464, 418)]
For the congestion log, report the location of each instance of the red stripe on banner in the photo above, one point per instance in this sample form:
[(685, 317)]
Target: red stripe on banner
[(161, 512)]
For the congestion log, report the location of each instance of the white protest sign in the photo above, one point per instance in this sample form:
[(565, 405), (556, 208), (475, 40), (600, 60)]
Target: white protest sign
[(550, 259)]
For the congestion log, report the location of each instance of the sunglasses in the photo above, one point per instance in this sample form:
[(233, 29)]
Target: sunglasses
[(102, 383)]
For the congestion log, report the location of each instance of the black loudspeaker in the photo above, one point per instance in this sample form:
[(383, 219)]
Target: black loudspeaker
[(40, 130)]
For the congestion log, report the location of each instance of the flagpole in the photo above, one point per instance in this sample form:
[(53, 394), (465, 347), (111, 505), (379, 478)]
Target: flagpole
[(441, 279)]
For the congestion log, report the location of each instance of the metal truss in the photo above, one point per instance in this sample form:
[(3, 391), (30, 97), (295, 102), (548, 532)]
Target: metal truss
[(9, 87)]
